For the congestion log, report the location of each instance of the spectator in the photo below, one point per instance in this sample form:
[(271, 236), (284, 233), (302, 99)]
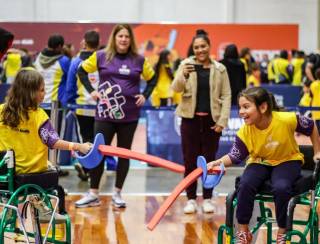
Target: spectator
[(254, 77), (76, 93), (282, 69), (53, 66), (119, 102), (204, 108), (263, 65), (315, 90), (236, 71), (162, 94), (297, 64), (313, 63)]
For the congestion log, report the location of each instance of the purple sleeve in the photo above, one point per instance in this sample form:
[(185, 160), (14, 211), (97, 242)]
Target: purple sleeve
[(304, 125), (47, 134), (238, 152)]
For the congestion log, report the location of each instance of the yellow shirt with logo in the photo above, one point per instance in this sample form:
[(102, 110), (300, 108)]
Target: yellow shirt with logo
[(31, 154), (275, 144)]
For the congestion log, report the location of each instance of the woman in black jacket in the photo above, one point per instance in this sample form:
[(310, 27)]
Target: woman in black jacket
[(236, 71)]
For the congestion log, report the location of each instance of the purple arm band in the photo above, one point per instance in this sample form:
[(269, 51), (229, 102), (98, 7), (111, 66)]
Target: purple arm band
[(238, 152), (304, 125), (48, 134)]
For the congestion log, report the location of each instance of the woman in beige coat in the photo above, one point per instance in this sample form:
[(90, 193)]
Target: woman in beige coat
[(204, 108)]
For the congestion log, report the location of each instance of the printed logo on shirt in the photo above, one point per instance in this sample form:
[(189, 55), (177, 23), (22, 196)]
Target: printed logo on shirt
[(93, 78), (22, 130), (111, 102), (124, 70), (271, 144)]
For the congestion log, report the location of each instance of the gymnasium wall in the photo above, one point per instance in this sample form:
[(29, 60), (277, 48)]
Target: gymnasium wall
[(304, 13)]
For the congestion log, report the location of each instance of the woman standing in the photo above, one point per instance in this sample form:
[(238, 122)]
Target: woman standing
[(236, 72), (204, 108), (162, 94), (118, 102)]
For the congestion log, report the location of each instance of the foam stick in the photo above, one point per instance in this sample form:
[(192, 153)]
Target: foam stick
[(153, 160), (192, 177), (209, 180), (93, 157)]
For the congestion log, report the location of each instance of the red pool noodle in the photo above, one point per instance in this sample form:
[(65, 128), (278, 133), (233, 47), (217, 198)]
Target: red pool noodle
[(193, 176), (153, 160)]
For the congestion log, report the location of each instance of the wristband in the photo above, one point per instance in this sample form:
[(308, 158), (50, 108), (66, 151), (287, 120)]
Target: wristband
[(71, 146)]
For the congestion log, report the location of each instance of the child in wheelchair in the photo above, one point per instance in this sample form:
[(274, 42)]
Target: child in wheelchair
[(26, 129), (266, 141)]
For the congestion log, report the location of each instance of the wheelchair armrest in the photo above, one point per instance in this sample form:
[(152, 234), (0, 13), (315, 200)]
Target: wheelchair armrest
[(290, 211), (229, 208)]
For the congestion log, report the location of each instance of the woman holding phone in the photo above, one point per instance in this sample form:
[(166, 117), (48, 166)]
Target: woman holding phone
[(204, 108)]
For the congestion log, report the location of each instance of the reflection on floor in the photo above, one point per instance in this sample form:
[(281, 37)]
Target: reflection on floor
[(106, 224)]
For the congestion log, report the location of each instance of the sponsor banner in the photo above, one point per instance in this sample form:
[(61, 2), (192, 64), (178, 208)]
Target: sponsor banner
[(152, 38)]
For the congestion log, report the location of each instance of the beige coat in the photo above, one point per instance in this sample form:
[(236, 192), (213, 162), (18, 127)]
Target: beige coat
[(220, 92)]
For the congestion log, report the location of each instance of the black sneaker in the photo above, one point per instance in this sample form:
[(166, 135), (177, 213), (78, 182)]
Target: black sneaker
[(81, 173)]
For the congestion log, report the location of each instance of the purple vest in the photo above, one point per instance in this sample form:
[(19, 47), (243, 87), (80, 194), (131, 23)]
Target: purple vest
[(119, 83)]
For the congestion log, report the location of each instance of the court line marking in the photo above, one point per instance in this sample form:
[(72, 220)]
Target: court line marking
[(139, 194)]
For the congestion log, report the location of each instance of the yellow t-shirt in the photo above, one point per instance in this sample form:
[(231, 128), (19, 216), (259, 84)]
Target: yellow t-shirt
[(275, 144), (297, 71), (12, 66), (306, 100), (252, 81), (31, 154), (315, 89), (162, 89)]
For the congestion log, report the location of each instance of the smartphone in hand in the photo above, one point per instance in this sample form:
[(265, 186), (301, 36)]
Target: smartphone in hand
[(198, 67)]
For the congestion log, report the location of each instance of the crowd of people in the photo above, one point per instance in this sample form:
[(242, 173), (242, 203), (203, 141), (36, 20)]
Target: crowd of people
[(203, 90)]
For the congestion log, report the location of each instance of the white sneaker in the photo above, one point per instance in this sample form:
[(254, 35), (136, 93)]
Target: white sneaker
[(89, 200), (207, 206), (191, 207), (117, 200)]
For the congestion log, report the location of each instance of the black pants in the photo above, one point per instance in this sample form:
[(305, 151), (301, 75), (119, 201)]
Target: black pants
[(125, 133), (282, 178), (197, 139), (86, 124)]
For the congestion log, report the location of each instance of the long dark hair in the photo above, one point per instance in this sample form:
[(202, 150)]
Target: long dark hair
[(22, 97), (163, 59), (259, 95), (231, 52)]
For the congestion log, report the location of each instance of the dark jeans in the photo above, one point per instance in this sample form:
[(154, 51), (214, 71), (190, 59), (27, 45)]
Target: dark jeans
[(125, 133), (197, 139), (86, 124), (282, 179)]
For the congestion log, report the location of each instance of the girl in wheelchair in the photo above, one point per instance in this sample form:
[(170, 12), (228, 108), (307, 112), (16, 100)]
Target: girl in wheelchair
[(26, 129), (267, 142)]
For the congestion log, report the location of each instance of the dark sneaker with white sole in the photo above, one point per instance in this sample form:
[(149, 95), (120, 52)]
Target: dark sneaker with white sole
[(81, 172)]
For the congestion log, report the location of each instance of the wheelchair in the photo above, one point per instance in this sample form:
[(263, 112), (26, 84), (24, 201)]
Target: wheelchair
[(307, 193), (30, 190)]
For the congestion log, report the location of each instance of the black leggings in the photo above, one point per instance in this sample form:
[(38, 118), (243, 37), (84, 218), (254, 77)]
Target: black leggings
[(86, 130), (125, 133)]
